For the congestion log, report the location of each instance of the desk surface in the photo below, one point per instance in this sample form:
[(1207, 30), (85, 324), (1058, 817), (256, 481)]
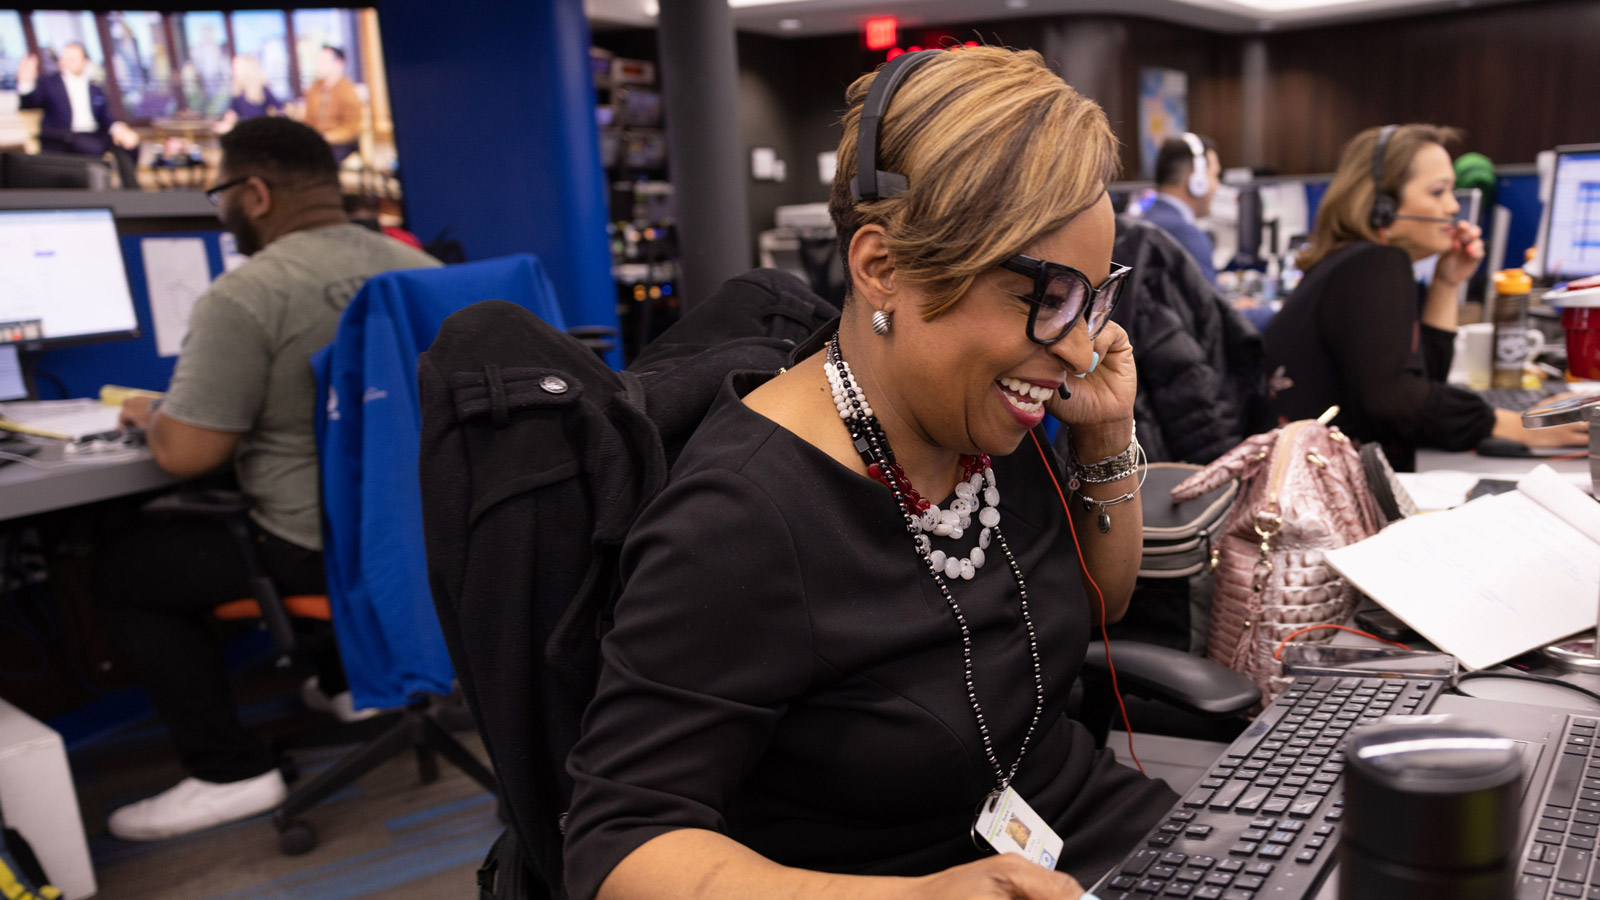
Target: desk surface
[(28, 490), (1439, 460)]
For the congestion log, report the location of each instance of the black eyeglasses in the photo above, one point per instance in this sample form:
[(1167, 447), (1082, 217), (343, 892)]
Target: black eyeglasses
[(1062, 294), (215, 194)]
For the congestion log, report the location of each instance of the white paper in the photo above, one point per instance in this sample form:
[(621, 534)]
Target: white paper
[(1495, 578), (12, 387), (176, 274), (70, 419)]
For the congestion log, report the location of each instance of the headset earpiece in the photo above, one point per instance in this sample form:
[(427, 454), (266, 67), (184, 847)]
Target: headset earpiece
[(1384, 206), (872, 183), (1199, 177)]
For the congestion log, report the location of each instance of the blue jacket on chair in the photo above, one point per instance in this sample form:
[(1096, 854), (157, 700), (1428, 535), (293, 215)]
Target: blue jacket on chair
[(368, 432)]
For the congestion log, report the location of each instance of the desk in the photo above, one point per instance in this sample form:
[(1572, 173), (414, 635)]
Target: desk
[(1495, 466), (27, 490)]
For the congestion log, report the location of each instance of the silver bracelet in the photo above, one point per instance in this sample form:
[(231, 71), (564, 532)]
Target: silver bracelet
[(1108, 470), (1103, 521), (1136, 452)]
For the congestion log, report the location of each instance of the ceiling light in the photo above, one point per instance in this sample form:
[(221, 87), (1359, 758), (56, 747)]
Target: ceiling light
[(789, 24)]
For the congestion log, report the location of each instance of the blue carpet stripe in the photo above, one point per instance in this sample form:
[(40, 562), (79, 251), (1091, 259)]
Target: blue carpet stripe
[(448, 809), (482, 829)]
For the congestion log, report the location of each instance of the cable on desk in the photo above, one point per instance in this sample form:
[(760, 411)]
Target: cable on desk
[(1521, 676)]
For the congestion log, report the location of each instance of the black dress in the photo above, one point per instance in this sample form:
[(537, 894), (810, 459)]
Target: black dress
[(1351, 334), (783, 670)]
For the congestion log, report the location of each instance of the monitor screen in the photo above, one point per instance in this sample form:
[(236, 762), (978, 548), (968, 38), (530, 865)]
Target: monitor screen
[(62, 277), (1572, 237)]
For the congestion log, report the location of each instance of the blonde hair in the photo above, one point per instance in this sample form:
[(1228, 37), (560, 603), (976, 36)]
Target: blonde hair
[(998, 151), (248, 79), (1345, 215)]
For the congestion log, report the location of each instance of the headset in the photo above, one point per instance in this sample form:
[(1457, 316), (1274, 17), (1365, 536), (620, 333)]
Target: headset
[(1385, 207), (872, 183), (1199, 178)]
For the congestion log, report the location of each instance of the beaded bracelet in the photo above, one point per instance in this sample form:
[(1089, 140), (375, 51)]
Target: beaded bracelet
[(1111, 469)]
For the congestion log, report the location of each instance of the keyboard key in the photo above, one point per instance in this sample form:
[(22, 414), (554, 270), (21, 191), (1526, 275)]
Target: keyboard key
[(1178, 889), (1220, 879), (1225, 797), (1574, 864), (1264, 822), (1198, 832), (1161, 873), (1567, 889), (1248, 882), (1173, 859), (1317, 842), (1582, 843), (1231, 865), (1208, 893), (1160, 840), (1549, 837), (1197, 798), (1151, 886), (1190, 874), (1123, 882), (1291, 826), (1254, 834), (1259, 868), (1172, 827), (1530, 887), (1304, 807), (1271, 851), (1543, 870), (1202, 862), (1138, 862), (1281, 837), (1182, 815), (1554, 824), (1564, 787), (1243, 848), (1306, 856), (1275, 805), (1236, 894)]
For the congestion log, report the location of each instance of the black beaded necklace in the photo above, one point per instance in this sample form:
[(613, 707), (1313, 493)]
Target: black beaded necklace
[(873, 446)]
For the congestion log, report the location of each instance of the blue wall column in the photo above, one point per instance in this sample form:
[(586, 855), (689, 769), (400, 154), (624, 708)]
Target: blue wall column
[(495, 127)]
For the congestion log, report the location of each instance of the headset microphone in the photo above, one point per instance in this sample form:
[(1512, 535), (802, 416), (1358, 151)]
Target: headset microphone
[(1441, 219)]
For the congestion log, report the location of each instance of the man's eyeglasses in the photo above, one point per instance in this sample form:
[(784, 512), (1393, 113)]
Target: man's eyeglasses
[(1062, 294), (215, 194)]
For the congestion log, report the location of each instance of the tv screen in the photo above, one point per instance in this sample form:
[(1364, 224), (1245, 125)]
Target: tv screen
[(180, 79)]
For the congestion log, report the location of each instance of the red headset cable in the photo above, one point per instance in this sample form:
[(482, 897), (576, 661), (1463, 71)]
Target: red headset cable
[(1104, 637), (1278, 653)]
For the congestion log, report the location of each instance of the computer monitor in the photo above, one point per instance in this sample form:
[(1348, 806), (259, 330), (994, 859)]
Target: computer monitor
[(53, 171), (62, 280), (1572, 217)]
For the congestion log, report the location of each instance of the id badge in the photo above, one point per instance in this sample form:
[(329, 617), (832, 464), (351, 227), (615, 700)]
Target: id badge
[(1008, 824)]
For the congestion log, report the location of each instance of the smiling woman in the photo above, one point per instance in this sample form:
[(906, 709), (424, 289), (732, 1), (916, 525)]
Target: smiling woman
[(855, 614)]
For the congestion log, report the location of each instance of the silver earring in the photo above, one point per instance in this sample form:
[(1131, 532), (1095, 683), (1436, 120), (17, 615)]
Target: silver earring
[(880, 322)]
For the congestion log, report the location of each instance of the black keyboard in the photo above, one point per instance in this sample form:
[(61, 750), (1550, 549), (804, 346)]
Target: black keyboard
[(1519, 399), (1558, 859), (1264, 822)]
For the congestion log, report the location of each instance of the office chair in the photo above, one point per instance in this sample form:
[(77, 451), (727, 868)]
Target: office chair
[(423, 726)]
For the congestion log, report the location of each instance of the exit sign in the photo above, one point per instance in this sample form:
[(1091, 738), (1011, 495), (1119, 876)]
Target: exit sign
[(881, 33)]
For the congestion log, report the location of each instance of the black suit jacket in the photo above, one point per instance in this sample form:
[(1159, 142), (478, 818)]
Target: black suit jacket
[(50, 95)]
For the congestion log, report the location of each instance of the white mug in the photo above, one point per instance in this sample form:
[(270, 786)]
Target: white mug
[(1474, 346)]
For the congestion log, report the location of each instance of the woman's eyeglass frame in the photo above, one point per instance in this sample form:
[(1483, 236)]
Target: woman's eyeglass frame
[(1044, 272)]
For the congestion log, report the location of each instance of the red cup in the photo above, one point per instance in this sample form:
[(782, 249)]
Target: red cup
[(1582, 324)]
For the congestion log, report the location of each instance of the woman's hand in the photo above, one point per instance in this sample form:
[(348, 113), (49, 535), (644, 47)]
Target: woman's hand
[(1105, 395), (1461, 260), (1006, 877), (1509, 425)]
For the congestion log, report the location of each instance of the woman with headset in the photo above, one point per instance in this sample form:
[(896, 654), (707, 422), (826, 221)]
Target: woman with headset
[(1360, 333), (850, 623)]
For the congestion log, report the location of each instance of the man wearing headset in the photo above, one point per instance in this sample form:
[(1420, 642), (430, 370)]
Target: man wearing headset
[(1186, 179)]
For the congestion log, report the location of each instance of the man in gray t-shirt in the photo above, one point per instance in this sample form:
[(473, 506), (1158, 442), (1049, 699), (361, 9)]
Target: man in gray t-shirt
[(243, 391)]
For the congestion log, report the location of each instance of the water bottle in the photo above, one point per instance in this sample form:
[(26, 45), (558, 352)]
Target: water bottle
[(1511, 287)]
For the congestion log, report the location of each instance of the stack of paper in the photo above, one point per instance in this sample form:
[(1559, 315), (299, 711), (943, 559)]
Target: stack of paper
[(1493, 579), (72, 420)]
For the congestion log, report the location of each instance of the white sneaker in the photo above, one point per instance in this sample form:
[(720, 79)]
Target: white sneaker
[(341, 706), (192, 804)]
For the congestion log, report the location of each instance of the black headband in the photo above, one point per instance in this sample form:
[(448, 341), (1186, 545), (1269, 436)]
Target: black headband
[(872, 183)]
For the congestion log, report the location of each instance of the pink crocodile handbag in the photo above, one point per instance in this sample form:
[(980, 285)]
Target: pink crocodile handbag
[(1303, 491)]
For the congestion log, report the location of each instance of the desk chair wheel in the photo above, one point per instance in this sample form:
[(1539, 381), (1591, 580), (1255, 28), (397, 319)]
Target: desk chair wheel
[(296, 838)]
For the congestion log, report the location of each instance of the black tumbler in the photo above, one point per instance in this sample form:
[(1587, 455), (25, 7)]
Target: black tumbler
[(1430, 812)]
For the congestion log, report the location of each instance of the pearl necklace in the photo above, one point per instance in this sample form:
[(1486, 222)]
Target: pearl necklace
[(873, 446), (975, 493)]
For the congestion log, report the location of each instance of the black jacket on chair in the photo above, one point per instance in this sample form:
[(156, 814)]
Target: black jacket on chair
[(1199, 360), (535, 460)]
